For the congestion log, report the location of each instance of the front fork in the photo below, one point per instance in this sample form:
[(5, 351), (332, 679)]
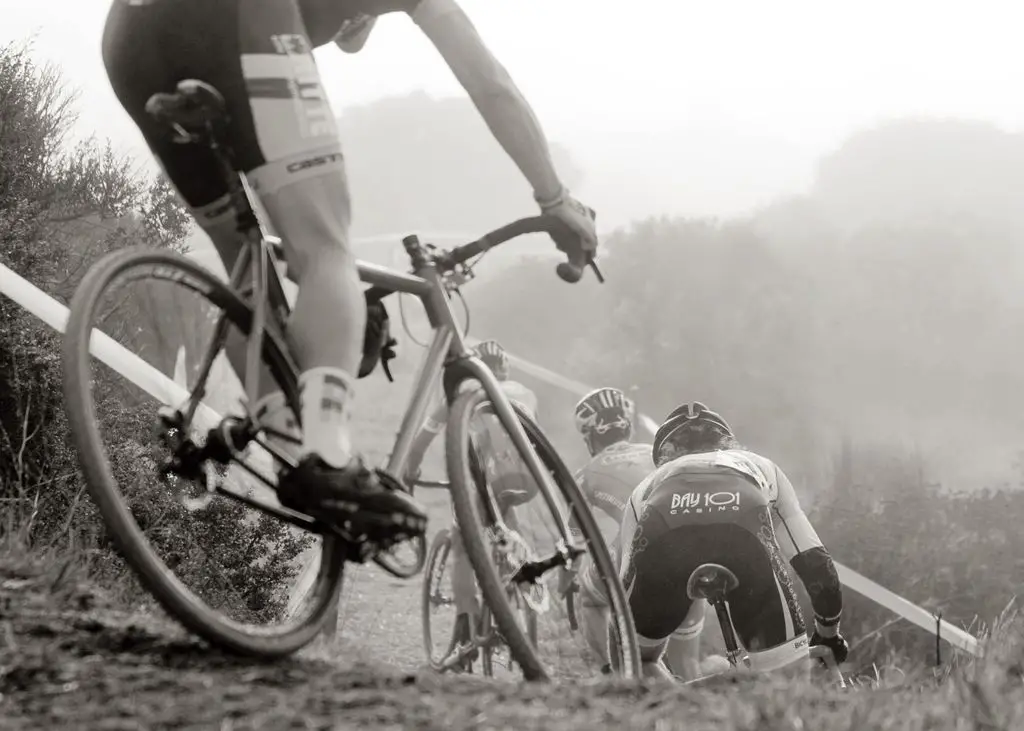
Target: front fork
[(468, 367)]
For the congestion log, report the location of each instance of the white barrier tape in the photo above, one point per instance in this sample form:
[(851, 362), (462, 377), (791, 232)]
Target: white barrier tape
[(556, 379), (908, 610), (169, 391), (850, 578), (101, 345)]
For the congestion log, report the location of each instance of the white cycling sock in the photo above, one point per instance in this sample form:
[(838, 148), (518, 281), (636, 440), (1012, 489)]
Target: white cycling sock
[(272, 411), (326, 412)]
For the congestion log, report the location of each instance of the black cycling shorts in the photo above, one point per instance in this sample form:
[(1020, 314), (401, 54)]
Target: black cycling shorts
[(718, 517), (150, 47)]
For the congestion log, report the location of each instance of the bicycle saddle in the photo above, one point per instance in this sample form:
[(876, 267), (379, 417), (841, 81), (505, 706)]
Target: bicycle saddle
[(194, 107), (711, 581)]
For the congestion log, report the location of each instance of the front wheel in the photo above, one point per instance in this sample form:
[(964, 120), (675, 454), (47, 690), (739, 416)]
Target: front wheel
[(478, 447)]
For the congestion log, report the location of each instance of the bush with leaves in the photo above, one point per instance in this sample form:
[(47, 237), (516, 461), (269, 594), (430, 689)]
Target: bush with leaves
[(952, 553), (59, 212)]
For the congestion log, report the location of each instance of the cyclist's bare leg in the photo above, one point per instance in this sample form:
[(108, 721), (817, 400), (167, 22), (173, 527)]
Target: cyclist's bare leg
[(594, 613), (311, 214), (467, 605), (682, 653), (652, 664), (464, 586), (594, 623), (463, 579)]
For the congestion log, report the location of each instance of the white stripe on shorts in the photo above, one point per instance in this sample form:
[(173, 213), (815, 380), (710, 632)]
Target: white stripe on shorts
[(299, 121)]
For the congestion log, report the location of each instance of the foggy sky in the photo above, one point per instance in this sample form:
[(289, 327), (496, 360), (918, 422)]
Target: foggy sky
[(669, 107)]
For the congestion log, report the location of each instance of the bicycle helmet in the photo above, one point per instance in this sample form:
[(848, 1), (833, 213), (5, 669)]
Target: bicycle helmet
[(604, 416), (494, 357), (689, 428)]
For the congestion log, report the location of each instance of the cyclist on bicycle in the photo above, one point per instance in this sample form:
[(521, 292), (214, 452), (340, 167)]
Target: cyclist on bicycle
[(711, 501), (510, 482), (284, 136), (605, 418)]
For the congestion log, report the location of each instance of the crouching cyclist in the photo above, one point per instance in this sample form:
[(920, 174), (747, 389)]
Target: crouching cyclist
[(711, 501), (509, 479), (605, 418)]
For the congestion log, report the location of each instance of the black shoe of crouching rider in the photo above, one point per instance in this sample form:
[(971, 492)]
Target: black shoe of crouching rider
[(352, 492), (840, 650)]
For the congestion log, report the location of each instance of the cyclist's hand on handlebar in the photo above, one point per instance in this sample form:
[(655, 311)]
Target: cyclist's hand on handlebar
[(579, 238), (840, 650)]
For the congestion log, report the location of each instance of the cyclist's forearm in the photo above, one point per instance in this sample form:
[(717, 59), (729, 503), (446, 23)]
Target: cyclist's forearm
[(493, 92), (819, 576), (517, 130)]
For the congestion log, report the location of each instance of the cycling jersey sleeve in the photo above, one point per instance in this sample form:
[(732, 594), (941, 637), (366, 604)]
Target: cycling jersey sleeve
[(796, 534), (810, 560), (581, 480)]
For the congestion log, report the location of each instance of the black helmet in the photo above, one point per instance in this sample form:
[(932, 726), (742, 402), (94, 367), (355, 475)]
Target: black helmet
[(687, 418)]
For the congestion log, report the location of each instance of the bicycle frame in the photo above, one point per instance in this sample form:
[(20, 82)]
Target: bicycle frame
[(447, 348)]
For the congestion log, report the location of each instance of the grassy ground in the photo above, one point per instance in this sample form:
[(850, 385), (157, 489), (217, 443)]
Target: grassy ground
[(70, 660), (71, 657)]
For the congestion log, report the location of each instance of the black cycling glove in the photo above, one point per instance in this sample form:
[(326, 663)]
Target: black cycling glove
[(837, 644)]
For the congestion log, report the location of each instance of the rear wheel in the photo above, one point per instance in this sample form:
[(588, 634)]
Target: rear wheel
[(220, 566), (554, 649), (438, 605)]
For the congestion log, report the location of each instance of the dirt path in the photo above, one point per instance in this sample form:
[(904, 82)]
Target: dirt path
[(69, 660)]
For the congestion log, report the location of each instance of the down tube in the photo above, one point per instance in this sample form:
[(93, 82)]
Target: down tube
[(510, 420), (423, 388)]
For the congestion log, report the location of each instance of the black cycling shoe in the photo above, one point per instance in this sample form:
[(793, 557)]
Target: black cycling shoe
[(353, 493)]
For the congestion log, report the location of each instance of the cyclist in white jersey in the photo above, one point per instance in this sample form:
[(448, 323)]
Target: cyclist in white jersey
[(605, 418), (507, 475), (710, 501)]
